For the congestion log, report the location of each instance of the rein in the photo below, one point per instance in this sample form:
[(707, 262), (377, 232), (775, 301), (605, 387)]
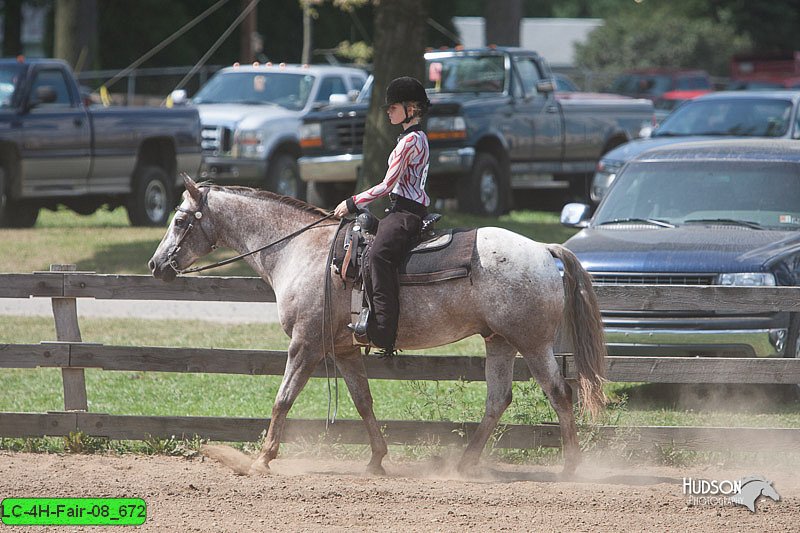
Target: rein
[(198, 215)]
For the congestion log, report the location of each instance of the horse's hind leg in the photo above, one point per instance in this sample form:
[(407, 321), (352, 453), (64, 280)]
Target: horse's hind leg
[(544, 367), (301, 361), (355, 376), (499, 373)]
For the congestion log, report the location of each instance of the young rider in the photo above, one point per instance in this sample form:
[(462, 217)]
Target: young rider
[(398, 232)]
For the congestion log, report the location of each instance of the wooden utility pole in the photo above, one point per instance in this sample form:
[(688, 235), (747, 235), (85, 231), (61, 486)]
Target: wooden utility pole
[(247, 53), (76, 32), (503, 18)]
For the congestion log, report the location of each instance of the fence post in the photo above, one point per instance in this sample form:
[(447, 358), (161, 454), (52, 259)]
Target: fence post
[(65, 313)]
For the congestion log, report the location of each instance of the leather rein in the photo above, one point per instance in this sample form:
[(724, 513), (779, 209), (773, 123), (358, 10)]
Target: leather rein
[(197, 215)]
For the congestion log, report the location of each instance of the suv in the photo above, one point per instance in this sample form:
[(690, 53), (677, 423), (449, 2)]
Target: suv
[(723, 212), (652, 83)]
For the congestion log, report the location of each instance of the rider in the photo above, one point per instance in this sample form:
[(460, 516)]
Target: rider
[(398, 232)]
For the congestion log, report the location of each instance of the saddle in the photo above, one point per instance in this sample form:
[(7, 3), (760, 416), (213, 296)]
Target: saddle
[(439, 256)]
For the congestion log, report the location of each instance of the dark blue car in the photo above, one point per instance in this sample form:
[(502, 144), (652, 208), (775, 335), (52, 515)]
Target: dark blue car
[(723, 212)]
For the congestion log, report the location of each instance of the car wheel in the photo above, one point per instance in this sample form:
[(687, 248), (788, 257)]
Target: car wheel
[(486, 190), (284, 177), (15, 214), (151, 199)]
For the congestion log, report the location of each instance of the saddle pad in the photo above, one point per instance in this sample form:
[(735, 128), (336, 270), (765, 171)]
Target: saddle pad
[(439, 264)]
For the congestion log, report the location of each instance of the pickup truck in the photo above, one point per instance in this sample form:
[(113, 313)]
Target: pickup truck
[(56, 149), (251, 117), (496, 125)]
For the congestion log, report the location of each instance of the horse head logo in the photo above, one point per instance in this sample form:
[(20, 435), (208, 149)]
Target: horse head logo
[(752, 488)]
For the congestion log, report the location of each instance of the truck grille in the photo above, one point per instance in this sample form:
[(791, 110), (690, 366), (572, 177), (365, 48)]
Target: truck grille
[(216, 140), (345, 135), (652, 279)]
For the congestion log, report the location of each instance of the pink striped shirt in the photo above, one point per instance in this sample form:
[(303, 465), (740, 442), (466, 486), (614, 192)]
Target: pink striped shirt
[(407, 172)]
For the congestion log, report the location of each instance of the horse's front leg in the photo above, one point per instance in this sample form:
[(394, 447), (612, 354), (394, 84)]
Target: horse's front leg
[(351, 365), (301, 362)]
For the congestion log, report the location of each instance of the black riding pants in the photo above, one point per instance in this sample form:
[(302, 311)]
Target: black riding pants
[(398, 232)]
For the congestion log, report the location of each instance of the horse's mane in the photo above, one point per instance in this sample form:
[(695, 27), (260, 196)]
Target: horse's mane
[(267, 195)]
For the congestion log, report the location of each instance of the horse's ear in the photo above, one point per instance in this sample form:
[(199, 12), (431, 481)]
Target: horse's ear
[(191, 187)]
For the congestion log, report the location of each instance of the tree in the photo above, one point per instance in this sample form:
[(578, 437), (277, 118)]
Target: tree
[(12, 26), (503, 18), (400, 31), (76, 32), (660, 38)]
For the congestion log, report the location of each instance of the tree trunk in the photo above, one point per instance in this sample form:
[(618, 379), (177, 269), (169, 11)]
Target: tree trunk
[(247, 52), (400, 29), (503, 19), (12, 28), (307, 29), (76, 32)]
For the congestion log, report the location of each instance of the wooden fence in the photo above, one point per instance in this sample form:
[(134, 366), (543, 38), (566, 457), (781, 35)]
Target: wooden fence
[(63, 285)]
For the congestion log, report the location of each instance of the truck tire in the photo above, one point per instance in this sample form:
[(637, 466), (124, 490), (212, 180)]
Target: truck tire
[(284, 177), (792, 349), (486, 190), (15, 214), (151, 199)]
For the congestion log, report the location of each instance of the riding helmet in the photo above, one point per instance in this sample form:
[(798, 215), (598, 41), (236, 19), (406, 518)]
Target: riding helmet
[(406, 89)]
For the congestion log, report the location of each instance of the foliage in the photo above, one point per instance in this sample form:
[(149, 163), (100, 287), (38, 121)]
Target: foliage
[(652, 38)]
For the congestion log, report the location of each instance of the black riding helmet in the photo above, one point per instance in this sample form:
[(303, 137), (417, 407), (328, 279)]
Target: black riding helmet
[(407, 89)]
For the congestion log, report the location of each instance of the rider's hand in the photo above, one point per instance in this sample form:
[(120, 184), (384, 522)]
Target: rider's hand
[(341, 209)]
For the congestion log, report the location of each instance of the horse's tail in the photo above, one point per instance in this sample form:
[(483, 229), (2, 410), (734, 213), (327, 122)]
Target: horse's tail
[(585, 325)]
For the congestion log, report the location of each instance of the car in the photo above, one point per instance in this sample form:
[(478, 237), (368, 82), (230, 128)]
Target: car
[(772, 114), (652, 83), (762, 83), (721, 212)]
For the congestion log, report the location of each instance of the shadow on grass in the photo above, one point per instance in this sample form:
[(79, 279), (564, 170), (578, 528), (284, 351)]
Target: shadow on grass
[(132, 257), (738, 398)]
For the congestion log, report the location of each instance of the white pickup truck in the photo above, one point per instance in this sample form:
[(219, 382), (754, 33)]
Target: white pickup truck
[(251, 117)]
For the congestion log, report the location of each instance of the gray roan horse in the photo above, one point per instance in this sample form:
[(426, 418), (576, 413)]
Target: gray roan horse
[(515, 299)]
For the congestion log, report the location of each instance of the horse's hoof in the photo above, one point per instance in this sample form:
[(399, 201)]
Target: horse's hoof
[(259, 469), (376, 470)]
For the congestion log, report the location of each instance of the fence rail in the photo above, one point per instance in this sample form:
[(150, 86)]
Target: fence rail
[(72, 355)]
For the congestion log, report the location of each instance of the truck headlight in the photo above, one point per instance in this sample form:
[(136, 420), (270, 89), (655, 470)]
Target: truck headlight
[(248, 143), (747, 279), (311, 135), (446, 128)]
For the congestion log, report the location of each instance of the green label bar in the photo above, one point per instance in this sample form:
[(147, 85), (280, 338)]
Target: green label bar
[(73, 511)]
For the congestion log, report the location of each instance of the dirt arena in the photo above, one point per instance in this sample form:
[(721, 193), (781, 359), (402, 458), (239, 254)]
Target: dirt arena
[(200, 494)]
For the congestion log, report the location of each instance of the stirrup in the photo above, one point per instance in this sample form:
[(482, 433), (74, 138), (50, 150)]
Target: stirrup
[(384, 353), (360, 327)]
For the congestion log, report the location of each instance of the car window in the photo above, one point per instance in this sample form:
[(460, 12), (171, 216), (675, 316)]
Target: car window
[(736, 116), (693, 82), (356, 82), (328, 86), (9, 83), (528, 74), (461, 74), (55, 79), (281, 88), (767, 193)]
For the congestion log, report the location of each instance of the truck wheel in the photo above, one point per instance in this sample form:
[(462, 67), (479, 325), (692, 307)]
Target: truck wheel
[(150, 202), (284, 177), (15, 214), (486, 191)]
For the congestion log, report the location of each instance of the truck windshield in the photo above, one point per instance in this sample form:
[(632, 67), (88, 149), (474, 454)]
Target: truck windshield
[(9, 81), (741, 117), (279, 88), (763, 194), (464, 74)]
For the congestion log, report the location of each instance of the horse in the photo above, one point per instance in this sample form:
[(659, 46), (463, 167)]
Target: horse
[(752, 488), (515, 298)]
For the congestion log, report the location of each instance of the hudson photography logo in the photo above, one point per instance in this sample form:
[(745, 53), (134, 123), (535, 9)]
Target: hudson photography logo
[(727, 492)]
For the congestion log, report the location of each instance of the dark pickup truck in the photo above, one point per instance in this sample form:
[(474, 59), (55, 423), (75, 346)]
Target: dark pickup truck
[(496, 125), (55, 149)]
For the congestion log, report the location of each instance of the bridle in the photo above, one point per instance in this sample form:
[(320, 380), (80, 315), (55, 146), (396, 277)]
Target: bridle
[(198, 216)]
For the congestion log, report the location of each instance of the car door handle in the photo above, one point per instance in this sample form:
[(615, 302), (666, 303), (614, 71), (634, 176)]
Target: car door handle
[(552, 109), (77, 122)]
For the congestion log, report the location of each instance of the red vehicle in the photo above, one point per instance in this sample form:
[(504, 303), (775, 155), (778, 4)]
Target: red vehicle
[(652, 83), (776, 71), (668, 101)]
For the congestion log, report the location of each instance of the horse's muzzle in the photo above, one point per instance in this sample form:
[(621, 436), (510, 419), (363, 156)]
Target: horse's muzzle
[(162, 271)]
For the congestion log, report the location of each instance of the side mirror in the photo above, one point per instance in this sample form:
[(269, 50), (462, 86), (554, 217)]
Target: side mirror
[(545, 86), (179, 97), (44, 94), (575, 215), (338, 99)]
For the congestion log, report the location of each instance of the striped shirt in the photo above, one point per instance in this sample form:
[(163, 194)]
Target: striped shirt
[(407, 172)]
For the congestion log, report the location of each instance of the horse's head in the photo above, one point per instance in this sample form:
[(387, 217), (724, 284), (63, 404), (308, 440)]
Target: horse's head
[(189, 237)]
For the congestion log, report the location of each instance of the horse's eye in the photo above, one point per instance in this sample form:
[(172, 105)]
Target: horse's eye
[(181, 222)]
